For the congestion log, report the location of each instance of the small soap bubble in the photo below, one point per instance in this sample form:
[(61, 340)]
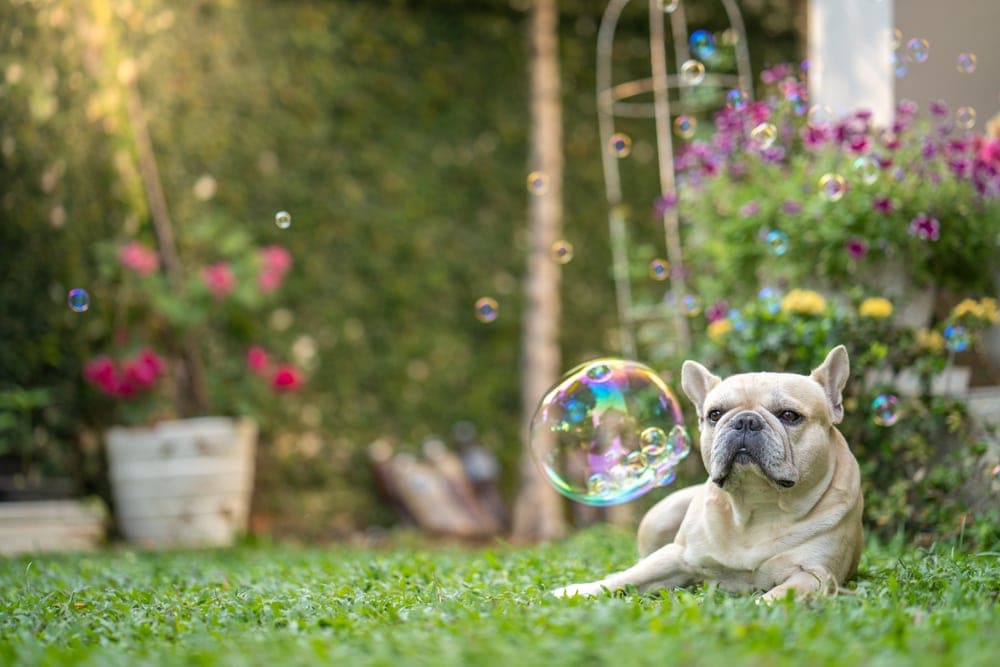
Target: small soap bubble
[(819, 114), (684, 127), (538, 183), (487, 309), (832, 187), (866, 167), (957, 338), (771, 299), (737, 99), (764, 135), (608, 432), (78, 300), (778, 242), (896, 39), (918, 50), (692, 72), (966, 62), (886, 409), (669, 6), (899, 65), (283, 219), (965, 117), (691, 305), (702, 44), (620, 145), (562, 251), (659, 269)]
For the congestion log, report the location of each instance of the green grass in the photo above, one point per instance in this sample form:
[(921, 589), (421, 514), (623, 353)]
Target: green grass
[(279, 605)]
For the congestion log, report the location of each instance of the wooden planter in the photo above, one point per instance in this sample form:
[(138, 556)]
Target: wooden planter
[(184, 483), (39, 526)]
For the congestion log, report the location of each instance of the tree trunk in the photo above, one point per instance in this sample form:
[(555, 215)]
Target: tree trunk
[(538, 513)]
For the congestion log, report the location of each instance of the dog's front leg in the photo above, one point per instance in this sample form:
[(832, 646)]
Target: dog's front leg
[(804, 581), (665, 567)]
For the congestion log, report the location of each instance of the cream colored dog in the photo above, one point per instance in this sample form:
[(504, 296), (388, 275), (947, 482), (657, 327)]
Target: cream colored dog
[(781, 510)]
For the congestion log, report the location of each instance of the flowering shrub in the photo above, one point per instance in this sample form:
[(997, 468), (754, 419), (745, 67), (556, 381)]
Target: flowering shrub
[(784, 191), (161, 327)]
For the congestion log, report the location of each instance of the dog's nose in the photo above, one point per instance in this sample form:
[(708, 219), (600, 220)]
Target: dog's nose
[(747, 421)]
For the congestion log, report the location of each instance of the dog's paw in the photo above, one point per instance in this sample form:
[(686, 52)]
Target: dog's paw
[(582, 590)]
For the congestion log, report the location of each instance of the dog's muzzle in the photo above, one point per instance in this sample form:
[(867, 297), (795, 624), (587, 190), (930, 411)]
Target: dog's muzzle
[(745, 440)]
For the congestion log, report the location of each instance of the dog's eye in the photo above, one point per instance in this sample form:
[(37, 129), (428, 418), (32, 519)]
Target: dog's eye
[(790, 416), (714, 415)]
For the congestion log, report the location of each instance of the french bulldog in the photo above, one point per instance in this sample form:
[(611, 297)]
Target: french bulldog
[(781, 509)]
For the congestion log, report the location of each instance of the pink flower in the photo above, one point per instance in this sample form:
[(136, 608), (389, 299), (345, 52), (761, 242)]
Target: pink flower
[(143, 370), (276, 259), (990, 151), (882, 205), (717, 311), (268, 281), (139, 258), (220, 279), (100, 371), (857, 247), (286, 378), (925, 227), (258, 360)]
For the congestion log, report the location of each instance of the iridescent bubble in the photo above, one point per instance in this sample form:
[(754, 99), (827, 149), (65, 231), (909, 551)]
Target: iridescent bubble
[(669, 6), (965, 117), (659, 269), (918, 50), (764, 135), (778, 242), (898, 64), (538, 183), (692, 72), (562, 251), (966, 62), (691, 305), (283, 219), (78, 300), (819, 114), (832, 187), (684, 126), (608, 432), (867, 169), (771, 299), (896, 39), (620, 145), (487, 309), (886, 409), (737, 99), (957, 338), (702, 44)]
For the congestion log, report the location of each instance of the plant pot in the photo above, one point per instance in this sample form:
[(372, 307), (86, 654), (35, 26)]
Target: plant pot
[(184, 483)]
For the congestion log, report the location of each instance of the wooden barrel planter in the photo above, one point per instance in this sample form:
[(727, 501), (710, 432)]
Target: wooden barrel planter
[(183, 483)]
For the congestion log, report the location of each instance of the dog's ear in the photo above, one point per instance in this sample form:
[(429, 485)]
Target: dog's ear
[(832, 376), (697, 381)]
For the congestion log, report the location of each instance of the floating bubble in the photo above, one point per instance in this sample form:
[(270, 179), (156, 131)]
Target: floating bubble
[(966, 62), (702, 43), (562, 251), (283, 219), (965, 117), (886, 409), (867, 168), (78, 300), (898, 64), (918, 50), (957, 338), (832, 187), (764, 135), (691, 305), (670, 6), (692, 72), (487, 309), (684, 126), (538, 183), (659, 269), (778, 241), (896, 38), (608, 432), (620, 145), (819, 114), (737, 99), (771, 299)]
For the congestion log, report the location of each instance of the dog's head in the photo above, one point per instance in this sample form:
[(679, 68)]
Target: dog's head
[(766, 426)]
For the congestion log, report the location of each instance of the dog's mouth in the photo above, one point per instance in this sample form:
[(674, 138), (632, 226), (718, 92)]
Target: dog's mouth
[(744, 456)]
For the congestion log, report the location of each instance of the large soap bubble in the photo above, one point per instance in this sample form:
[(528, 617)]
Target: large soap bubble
[(608, 432)]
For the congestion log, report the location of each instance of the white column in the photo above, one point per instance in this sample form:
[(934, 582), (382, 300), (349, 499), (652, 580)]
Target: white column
[(850, 42)]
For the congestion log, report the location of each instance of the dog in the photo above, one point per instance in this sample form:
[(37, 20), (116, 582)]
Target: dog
[(781, 509)]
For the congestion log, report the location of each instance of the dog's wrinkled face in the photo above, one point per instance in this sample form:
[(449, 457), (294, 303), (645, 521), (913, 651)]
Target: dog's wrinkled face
[(772, 426)]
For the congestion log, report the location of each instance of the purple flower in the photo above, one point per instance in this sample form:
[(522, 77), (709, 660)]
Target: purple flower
[(856, 247), (664, 203), (717, 311), (791, 207), (749, 209), (759, 112), (859, 144), (882, 205), (813, 137), (961, 167), (929, 149), (926, 228), (939, 108), (906, 108)]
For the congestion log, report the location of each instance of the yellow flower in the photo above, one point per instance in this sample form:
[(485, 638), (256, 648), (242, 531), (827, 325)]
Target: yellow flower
[(989, 309), (967, 307), (876, 308), (804, 301), (930, 340), (719, 328)]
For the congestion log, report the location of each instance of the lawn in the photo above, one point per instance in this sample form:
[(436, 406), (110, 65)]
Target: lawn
[(282, 605)]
